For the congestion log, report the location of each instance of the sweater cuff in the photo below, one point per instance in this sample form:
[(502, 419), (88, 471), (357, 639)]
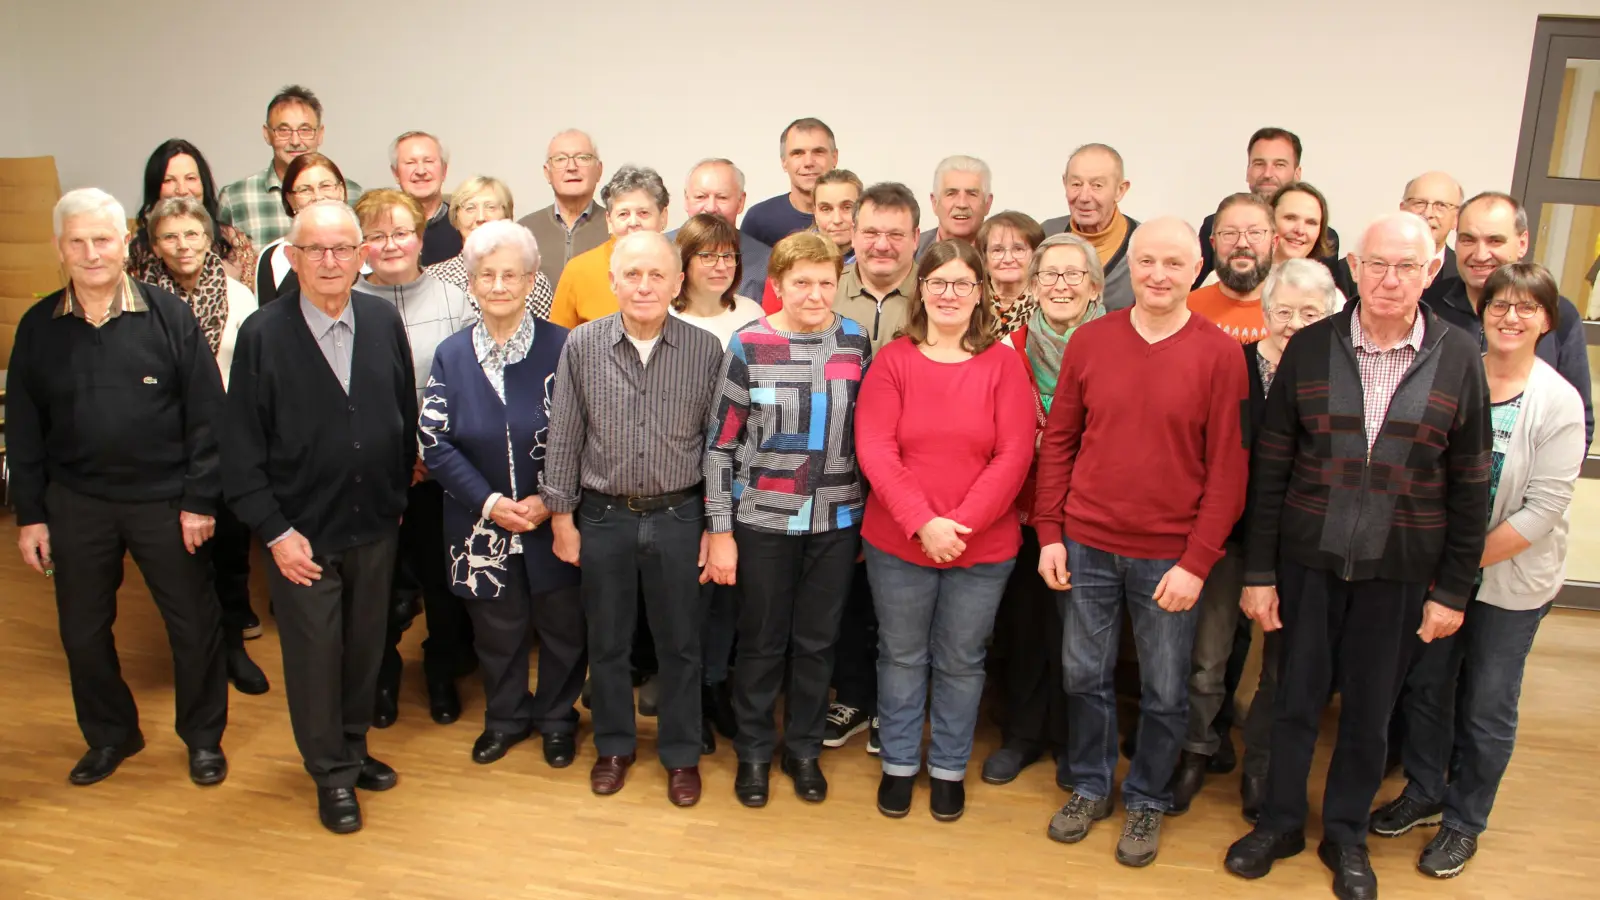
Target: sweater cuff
[(274, 528), (720, 523), (1456, 600), (1049, 533), (200, 506), (1260, 579), (1197, 563)]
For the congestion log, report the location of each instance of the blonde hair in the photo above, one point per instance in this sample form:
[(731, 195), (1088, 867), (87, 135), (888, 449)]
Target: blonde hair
[(375, 203), (474, 186)]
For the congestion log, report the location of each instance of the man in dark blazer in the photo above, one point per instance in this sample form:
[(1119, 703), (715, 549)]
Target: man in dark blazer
[(1436, 197), (320, 442)]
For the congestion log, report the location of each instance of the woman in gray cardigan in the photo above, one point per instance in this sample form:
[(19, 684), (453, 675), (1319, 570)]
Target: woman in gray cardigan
[(1461, 711)]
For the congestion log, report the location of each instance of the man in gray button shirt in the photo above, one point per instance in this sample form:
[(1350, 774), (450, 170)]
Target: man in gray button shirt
[(627, 438), (336, 338)]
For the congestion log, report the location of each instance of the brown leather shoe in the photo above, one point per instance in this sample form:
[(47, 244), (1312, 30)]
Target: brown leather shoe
[(609, 773), (683, 786)]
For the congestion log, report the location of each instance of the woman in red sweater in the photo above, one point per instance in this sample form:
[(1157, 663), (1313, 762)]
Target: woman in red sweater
[(944, 434)]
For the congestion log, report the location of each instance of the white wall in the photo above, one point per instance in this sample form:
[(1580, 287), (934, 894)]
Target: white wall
[(1378, 89)]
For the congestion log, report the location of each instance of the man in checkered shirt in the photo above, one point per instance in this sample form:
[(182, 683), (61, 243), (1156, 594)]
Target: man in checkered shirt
[(254, 204)]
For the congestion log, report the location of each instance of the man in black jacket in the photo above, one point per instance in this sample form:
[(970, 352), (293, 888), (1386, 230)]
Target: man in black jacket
[(320, 442), (1371, 493), (1272, 160), (113, 404)]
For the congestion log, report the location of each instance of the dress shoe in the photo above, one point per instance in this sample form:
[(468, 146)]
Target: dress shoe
[(1187, 779), (1226, 759), (609, 773), (1252, 856), (716, 702), (650, 696), (708, 737), (947, 799), (376, 776), (246, 676), (207, 765), (1005, 764), (100, 762), (444, 702), (1252, 791), (492, 745), (750, 783), (339, 810), (385, 707), (1353, 878), (809, 783), (894, 795), (683, 786), (560, 748)]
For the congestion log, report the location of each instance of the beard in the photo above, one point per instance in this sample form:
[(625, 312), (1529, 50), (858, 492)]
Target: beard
[(1247, 281)]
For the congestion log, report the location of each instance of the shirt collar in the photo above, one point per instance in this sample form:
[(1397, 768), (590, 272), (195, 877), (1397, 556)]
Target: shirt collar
[(514, 350), (270, 179), (857, 286), (128, 299), (1359, 337), (321, 323), (440, 214), (667, 335)]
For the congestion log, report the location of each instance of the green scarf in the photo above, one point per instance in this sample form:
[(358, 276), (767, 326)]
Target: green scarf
[(1046, 347)]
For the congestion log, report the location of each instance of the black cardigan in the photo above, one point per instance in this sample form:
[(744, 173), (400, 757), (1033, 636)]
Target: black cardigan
[(297, 451), (1257, 410)]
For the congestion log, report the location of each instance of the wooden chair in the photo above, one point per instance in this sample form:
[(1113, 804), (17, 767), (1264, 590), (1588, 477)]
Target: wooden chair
[(29, 267)]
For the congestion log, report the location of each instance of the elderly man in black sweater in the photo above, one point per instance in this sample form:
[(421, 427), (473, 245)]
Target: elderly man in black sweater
[(113, 402), (319, 447)]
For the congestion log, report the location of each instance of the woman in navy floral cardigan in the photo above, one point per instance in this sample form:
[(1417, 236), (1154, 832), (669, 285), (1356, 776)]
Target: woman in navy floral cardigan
[(484, 418)]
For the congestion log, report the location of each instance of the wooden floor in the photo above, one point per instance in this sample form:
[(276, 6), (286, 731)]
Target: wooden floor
[(453, 829)]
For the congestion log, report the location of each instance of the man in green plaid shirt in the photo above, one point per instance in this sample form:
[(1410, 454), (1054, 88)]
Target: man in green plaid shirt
[(254, 204)]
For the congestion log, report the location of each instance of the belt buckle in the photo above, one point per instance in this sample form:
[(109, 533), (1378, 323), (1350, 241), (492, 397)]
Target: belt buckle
[(634, 509)]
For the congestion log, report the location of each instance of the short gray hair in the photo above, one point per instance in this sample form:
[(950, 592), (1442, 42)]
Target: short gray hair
[(961, 164), (738, 174), (176, 207), (339, 206), (1091, 258), (631, 242), (631, 178), (1405, 222), (89, 202), (1303, 275), (498, 235), (394, 147)]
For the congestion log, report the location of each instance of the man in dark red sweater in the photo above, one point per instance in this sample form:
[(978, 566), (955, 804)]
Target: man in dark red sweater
[(1142, 473)]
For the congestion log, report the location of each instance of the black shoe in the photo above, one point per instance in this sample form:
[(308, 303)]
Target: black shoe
[(251, 629), (493, 745), (444, 702), (1187, 779), (386, 707), (1402, 814), (1447, 854), (560, 748), (1005, 764), (100, 762), (894, 795), (750, 784), (207, 765), (1226, 759), (339, 810), (246, 676), (809, 783), (708, 737), (1252, 856), (1252, 791), (844, 723), (1353, 878), (947, 800), (874, 743), (720, 708), (376, 776)]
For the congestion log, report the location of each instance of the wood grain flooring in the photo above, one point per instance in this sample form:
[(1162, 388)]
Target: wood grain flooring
[(453, 829)]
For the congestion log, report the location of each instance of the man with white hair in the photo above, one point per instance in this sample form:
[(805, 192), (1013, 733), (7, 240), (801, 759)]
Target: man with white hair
[(961, 199), (420, 163), (113, 406), (318, 452), (716, 186), (574, 222), (1370, 485), (627, 435), (1096, 185)]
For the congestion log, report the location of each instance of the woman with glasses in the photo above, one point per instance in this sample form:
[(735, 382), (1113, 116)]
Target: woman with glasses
[(945, 428), (1461, 706), (177, 169), (309, 178), (478, 200), (1066, 280), (1008, 241)]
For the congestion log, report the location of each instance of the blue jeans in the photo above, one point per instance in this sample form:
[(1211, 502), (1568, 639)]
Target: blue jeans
[(1461, 712), (1092, 627), (938, 618)]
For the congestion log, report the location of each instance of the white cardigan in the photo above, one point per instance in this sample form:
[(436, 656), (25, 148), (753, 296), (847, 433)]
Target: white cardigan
[(241, 303), (1535, 490)]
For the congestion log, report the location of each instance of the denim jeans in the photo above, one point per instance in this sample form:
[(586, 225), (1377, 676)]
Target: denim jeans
[(1092, 626), (1213, 643), (1461, 712), (938, 619)]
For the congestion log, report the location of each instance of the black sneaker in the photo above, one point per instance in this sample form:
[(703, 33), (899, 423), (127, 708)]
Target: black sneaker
[(844, 723), (1447, 854), (1402, 814), (874, 747), (1353, 878), (1252, 856)]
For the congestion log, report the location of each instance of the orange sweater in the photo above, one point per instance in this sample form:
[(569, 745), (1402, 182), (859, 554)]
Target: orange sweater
[(584, 293), (1241, 320)]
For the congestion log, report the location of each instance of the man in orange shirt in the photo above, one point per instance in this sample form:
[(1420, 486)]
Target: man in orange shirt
[(635, 200), (1243, 240)]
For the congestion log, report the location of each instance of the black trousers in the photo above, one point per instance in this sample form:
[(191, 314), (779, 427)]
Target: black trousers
[(230, 572), (332, 636), (88, 539), (1029, 624), (855, 657), (503, 630), (793, 594), (1354, 637), (422, 567)]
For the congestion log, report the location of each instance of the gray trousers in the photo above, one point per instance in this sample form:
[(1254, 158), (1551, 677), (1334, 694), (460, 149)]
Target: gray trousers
[(1213, 642)]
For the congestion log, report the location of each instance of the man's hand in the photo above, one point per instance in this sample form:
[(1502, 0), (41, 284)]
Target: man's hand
[(1261, 604), (34, 542), (197, 529), (705, 557), (538, 513), (941, 539), (293, 556), (567, 543), (1178, 590), (1053, 566), (418, 471), (511, 515), (1438, 621), (724, 558)]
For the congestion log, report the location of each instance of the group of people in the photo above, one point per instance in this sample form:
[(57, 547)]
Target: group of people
[(825, 455)]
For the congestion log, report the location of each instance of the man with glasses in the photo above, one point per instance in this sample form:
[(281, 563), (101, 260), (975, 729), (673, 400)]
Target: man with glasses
[(1243, 241), (716, 186), (318, 452), (1370, 493), (1436, 198), (574, 222), (1095, 184), (1272, 160), (293, 128)]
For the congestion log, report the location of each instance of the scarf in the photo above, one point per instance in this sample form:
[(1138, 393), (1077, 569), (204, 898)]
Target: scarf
[(1046, 347), (1012, 317), (209, 299), (1107, 243)]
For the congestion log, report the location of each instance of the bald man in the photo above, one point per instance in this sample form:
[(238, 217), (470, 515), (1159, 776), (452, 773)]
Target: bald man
[(1436, 198), (574, 224), (1142, 473), (1360, 539), (1095, 184)]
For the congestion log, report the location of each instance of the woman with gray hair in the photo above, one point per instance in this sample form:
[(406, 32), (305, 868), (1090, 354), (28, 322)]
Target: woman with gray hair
[(635, 200), (1064, 280), (484, 417)]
